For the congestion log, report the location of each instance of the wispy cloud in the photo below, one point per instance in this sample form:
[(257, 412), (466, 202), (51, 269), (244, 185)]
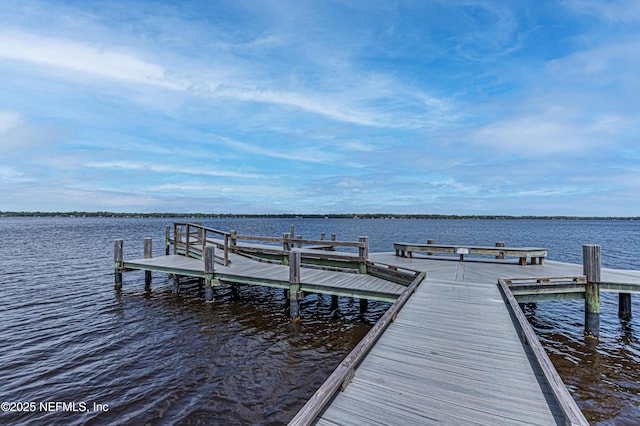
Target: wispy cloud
[(17, 134), (100, 61), (120, 64), (440, 106), (616, 11), (549, 133), (159, 168)]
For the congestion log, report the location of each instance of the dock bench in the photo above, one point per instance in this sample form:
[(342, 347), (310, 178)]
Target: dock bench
[(536, 254)]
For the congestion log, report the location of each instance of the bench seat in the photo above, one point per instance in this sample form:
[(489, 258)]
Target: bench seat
[(536, 254)]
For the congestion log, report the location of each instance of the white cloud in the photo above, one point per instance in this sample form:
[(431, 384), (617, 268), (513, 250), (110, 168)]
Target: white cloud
[(159, 168), (613, 65), (554, 131), (626, 11), (18, 135), (347, 93), (12, 175), (8, 121), (96, 60), (304, 154)]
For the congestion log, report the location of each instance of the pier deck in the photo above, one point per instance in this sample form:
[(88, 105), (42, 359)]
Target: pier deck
[(454, 355), (242, 270), (455, 349)]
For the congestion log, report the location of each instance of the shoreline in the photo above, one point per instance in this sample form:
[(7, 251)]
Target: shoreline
[(104, 214)]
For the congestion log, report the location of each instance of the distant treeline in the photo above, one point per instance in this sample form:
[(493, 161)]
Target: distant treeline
[(304, 216)]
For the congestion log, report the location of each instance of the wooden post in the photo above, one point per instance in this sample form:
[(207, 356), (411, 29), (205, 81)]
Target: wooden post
[(167, 240), (500, 256), (117, 263), (226, 249), (294, 284), (299, 238), (322, 236), (363, 253), (430, 242), (364, 304), (148, 254), (624, 306), (175, 238), (334, 302), (201, 234), (333, 237), (591, 268), (209, 269), (233, 239), (186, 250)]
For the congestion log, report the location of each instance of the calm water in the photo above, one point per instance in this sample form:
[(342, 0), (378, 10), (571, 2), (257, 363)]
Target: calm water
[(154, 357)]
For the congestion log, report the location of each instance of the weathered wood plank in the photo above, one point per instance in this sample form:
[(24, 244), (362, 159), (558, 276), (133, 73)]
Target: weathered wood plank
[(451, 356)]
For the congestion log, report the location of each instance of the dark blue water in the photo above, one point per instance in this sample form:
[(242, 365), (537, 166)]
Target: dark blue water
[(75, 351)]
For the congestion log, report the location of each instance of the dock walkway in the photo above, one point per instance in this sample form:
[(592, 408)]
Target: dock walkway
[(454, 355)]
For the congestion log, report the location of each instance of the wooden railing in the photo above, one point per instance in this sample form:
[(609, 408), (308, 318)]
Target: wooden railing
[(343, 374), (572, 414), (190, 239)]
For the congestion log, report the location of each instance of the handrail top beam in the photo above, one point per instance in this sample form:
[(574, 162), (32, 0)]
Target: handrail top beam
[(195, 225)]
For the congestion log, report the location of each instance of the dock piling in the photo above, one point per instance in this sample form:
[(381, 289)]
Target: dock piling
[(624, 306), (167, 240), (148, 254), (500, 244), (294, 284), (117, 260), (364, 305), (591, 268), (209, 269)]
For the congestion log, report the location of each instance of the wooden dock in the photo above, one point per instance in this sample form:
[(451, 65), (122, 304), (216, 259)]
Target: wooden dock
[(460, 352), (219, 257), (453, 348), (242, 270)]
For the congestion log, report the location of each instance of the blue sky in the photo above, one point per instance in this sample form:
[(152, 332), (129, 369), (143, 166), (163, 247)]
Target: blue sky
[(447, 107)]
